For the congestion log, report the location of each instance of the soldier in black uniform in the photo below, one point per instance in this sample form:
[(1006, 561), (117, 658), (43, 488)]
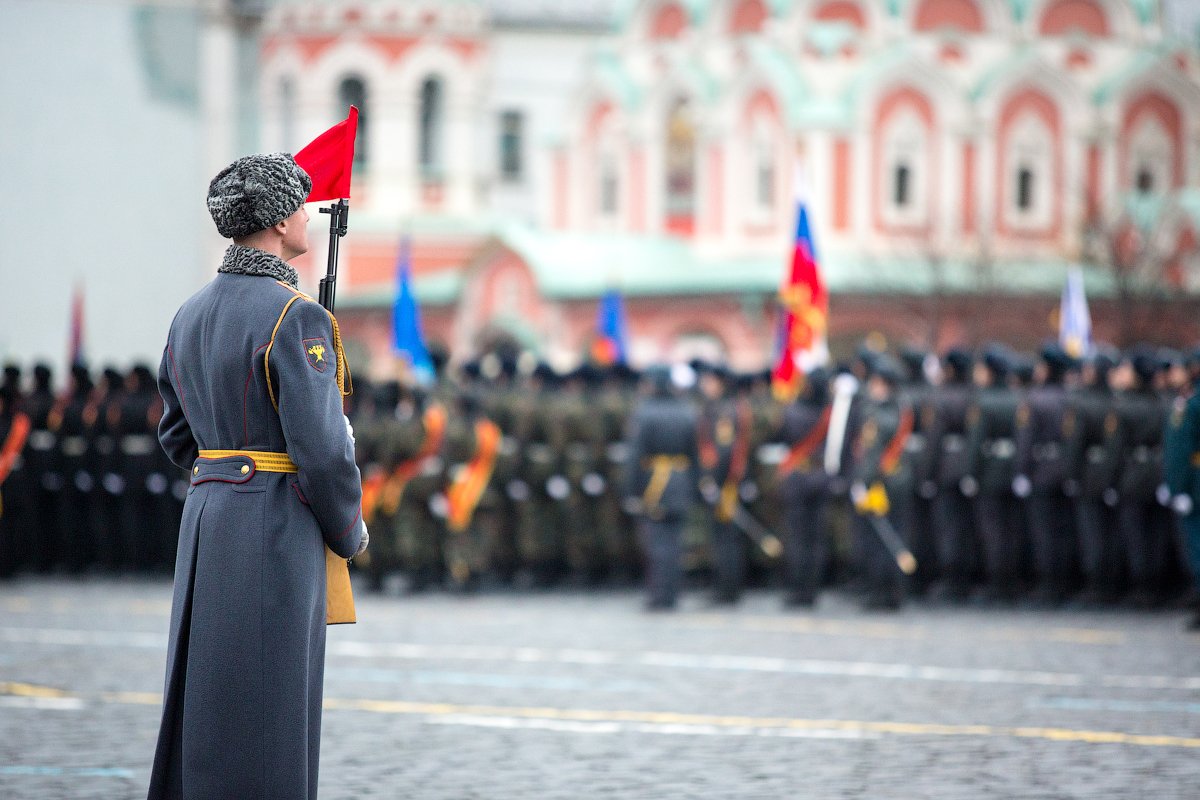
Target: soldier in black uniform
[(106, 468), (918, 392), (144, 533), (1134, 432), (1041, 477), (991, 453), (804, 490), (1088, 474), (76, 415), (723, 437), (45, 470), (661, 482), (14, 489), (882, 485), (945, 427)]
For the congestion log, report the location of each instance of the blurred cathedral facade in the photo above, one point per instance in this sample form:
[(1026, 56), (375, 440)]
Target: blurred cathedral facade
[(956, 156)]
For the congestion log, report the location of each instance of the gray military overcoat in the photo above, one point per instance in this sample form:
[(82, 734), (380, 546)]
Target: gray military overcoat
[(245, 664)]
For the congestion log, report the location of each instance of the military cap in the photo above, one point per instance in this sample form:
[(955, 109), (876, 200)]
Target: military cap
[(256, 192), (471, 369), (888, 369), (816, 384), (386, 396), (1145, 362), (959, 360), (659, 378), (997, 359), (913, 359), (1056, 358)]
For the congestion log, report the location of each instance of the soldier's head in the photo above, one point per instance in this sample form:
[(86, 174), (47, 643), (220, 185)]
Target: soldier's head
[(1144, 362), (993, 366), (1099, 365), (43, 376), (258, 201), (885, 378), (913, 359), (1192, 363), (1055, 363), (657, 381), (957, 362), (81, 380), (1174, 372), (139, 379), (713, 380)]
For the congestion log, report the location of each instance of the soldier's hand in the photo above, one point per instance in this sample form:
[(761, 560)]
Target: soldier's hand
[(362, 544), (1163, 494), (968, 486), (709, 490), (439, 506), (1110, 497), (349, 427), (858, 492), (1021, 486), (1182, 505)]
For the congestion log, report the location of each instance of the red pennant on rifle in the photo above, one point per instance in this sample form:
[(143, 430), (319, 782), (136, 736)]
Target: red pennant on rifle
[(329, 159)]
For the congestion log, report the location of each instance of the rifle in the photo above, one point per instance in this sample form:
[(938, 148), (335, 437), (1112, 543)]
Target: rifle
[(339, 217), (873, 504)]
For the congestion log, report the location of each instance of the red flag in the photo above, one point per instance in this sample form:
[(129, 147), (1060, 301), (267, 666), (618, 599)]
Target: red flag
[(805, 301), (329, 159), (76, 344)]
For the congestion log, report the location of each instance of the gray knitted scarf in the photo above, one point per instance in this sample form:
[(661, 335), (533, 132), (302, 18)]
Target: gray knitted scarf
[(241, 260)]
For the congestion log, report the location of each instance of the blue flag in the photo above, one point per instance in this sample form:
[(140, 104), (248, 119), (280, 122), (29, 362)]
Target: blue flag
[(1074, 320), (406, 321), (611, 343)]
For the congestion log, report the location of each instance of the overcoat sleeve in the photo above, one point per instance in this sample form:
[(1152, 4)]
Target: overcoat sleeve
[(304, 374), (174, 433)]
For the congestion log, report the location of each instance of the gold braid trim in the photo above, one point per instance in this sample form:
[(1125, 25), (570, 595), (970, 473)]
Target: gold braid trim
[(345, 381)]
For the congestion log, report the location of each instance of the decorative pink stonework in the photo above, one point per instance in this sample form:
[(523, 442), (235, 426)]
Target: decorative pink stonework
[(1063, 17), (960, 15)]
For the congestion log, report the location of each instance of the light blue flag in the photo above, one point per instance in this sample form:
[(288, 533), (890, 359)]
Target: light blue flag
[(406, 321), (1074, 321)]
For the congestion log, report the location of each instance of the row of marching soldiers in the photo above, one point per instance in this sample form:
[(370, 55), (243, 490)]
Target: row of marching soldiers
[(994, 478), (84, 484)]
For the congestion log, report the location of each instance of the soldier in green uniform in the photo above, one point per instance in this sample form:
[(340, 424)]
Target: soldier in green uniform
[(991, 451), (45, 469), (379, 424), (612, 404), (583, 463), (882, 484), (540, 540), (499, 405), (1088, 473), (918, 393), (472, 442), (1181, 467), (421, 511)]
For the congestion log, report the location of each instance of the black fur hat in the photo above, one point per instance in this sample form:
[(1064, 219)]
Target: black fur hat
[(256, 192)]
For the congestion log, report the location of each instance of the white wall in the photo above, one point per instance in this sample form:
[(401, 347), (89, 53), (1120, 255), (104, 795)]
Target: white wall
[(100, 183)]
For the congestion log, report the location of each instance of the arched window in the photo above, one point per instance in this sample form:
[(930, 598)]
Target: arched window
[(352, 91), (1066, 17), (1151, 156), (905, 173), (287, 115), (429, 141), (680, 160), (1029, 166), (963, 16), (763, 166)]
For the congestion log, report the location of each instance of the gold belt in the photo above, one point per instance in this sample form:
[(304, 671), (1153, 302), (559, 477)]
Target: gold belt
[(263, 461)]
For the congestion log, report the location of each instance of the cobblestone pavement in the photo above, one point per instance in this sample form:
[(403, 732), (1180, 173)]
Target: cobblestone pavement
[(567, 695)]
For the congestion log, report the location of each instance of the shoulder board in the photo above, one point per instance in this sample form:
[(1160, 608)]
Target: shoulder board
[(296, 292)]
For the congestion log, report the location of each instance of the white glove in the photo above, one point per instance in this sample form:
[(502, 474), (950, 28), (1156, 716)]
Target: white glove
[(1163, 495), (968, 486), (1021, 486), (709, 490), (349, 427), (1182, 504), (858, 492), (1110, 497), (439, 506), (362, 543)]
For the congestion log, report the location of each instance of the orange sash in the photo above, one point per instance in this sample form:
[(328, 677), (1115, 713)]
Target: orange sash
[(392, 490), (890, 459), (464, 494), (13, 444), (804, 448)]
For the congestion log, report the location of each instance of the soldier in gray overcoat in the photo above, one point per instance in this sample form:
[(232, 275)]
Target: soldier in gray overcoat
[(251, 382)]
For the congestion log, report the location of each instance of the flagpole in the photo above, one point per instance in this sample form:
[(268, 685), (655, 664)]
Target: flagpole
[(339, 217)]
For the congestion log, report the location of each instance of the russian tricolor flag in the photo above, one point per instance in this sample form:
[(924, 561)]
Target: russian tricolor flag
[(805, 308)]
